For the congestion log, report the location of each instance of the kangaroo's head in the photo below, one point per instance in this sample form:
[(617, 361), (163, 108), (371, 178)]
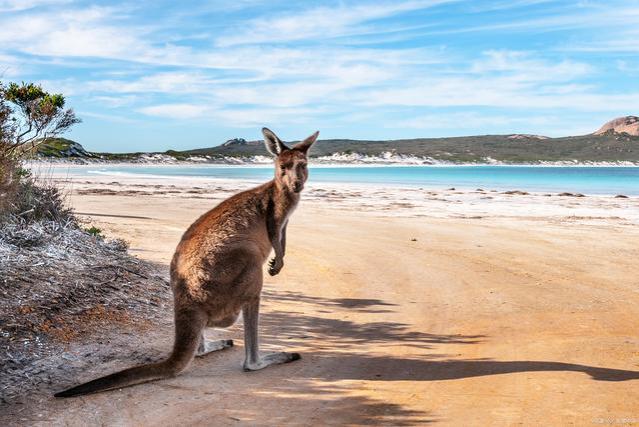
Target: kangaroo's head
[(291, 171)]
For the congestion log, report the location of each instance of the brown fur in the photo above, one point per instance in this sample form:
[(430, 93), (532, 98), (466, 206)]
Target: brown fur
[(216, 271)]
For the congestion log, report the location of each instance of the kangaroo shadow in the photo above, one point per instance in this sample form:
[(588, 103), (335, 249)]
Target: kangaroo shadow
[(345, 336), (364, 305), (356, 367)]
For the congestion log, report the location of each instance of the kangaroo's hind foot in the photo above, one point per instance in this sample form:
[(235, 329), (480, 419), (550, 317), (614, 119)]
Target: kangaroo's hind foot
[(254, 361), (269, 359), (207, 347)]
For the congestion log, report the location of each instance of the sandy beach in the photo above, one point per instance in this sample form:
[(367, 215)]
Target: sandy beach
[(409, 306)]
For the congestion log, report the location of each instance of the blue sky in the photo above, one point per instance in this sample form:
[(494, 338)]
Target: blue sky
[(153, 75)]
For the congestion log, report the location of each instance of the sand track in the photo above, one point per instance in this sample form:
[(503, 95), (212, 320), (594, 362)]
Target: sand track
[(400, 321)]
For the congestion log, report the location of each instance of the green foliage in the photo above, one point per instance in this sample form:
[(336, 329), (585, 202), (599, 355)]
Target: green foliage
[(179, 155), (21, 172), (53, 147), (61, 148), (28, 93), (94, 231), (29, 116)]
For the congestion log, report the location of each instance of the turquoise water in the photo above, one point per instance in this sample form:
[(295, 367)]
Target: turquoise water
[(587, 180)]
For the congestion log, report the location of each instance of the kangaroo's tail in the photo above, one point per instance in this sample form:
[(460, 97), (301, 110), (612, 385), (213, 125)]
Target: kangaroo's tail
[(127, 377), (188, 329)]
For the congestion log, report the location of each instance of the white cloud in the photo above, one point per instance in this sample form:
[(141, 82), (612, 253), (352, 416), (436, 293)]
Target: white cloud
[(492, 6), (235, 117), (9, 66), (364, 80), (175, 111), (170, 82), (273, 77), (526, 67), (465, 123), (258, 71), (115, 101), (68, 33), (20, 5), (494, 92), (469, 120), (616, 42), (107, 117), (321, 22), (260, 116)]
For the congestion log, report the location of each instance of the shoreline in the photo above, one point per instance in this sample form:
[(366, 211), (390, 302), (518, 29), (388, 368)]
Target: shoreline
[(378, 199), (324, 164), (48, 170)]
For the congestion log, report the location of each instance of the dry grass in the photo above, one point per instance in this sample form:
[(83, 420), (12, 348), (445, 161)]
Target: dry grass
[(25, 199), (60, 283), (8, 184)]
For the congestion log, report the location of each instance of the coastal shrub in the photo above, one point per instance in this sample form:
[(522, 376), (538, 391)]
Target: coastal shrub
[(8, 184), (94, 231), (37, 199), (7, 164), (29, 117), (118, 245), (25, 199)]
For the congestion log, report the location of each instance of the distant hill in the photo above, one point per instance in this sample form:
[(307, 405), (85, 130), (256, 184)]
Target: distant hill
[(616, 141), (505, 148), (626, 124), (63, 148)]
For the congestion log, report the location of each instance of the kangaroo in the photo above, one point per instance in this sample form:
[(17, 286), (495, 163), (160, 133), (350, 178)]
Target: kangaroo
[(216, 271)]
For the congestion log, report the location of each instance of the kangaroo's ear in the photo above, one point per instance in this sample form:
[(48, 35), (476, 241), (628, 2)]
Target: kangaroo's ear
[(306, 144), (273, 144)]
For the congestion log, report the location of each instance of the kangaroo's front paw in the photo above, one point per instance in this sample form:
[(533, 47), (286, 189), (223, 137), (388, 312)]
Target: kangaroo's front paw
[(275, 266)]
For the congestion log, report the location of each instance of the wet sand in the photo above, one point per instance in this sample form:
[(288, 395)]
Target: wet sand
[(409, 306)]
